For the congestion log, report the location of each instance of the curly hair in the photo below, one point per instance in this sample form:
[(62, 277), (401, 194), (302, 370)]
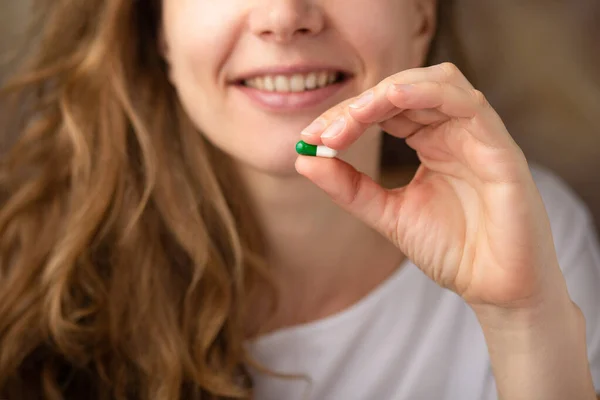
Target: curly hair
[(128, 252), (128, 249)]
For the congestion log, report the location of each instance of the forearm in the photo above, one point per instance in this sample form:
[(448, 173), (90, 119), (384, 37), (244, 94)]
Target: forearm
[(539, 354)]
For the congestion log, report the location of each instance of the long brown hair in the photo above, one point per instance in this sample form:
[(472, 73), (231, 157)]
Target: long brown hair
[(127, 252)]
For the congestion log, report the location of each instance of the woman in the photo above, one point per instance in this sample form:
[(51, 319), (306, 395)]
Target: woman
[(158, 242)]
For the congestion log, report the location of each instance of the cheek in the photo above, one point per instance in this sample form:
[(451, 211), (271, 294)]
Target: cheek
[(383, 39), (194, 41), (198, 37), (200, 42), (201, 36)]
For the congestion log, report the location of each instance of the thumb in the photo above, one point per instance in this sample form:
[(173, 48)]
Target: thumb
[(355, 192)]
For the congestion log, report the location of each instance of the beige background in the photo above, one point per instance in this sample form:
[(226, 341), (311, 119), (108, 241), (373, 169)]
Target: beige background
[(12, 23), (538, 61)]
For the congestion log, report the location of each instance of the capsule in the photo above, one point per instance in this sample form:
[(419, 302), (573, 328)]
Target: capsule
[(306, 149)]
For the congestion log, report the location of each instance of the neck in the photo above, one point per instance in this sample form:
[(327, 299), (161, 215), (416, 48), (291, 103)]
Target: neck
[(322, 258)]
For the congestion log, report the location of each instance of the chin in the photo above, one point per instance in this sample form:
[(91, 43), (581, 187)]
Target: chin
[(269, 148), (278, 164), (267, 151)]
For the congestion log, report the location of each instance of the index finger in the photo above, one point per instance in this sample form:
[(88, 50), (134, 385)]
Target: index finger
[(373, 106), (352, 118)]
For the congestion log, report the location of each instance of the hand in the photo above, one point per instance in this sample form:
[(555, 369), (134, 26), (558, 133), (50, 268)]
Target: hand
[(471, 218)]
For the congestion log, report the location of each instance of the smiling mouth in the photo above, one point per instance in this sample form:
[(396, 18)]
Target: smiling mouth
[(295, 83)]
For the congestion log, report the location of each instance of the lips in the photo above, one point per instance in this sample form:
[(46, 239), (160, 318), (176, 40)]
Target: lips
[(291, 88), (294, 83)]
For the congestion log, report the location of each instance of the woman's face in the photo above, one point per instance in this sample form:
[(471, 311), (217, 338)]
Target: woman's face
[(252, 74)]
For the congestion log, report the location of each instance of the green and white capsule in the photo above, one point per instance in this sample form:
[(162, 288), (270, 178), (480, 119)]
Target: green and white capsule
[(314, 151)]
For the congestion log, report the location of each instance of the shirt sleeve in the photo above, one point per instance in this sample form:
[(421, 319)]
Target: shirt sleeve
[(578, 251)]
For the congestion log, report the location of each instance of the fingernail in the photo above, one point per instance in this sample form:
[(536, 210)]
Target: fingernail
[(403, 88), (363, 100), (313, 129), (335, 128)]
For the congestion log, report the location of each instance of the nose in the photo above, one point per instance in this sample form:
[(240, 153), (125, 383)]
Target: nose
[(285, 20)]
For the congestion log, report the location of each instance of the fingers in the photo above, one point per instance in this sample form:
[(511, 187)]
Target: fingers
[(449, 123), (355, 192), (451, 149), (372, 105), (452, 101), (401, 123), (467, 140), (334, 122), (353, 116), (425, 103)]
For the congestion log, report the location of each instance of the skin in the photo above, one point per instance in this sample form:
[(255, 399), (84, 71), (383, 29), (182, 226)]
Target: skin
[(471, 219), (295, 215)]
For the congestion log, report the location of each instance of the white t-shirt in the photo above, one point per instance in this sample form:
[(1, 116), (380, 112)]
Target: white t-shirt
[(411, 339)]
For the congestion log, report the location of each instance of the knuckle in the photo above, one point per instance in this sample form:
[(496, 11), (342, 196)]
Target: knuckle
[(351, 196), (397, 78), (438, 86), (479, 98), (449, 70), (332, 114), (389, 81)]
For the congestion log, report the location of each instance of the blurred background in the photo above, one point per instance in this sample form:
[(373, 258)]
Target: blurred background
[(538, 62)]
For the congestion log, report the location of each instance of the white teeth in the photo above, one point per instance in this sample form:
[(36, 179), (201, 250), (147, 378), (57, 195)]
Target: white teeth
[(259, 82), (311, 81), (322, 79), (269, 84), (282, 84), (296, 83)]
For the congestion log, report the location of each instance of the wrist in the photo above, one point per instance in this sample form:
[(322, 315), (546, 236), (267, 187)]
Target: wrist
[(522, 331), (538, 352), (547, 300), (536, 315)]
